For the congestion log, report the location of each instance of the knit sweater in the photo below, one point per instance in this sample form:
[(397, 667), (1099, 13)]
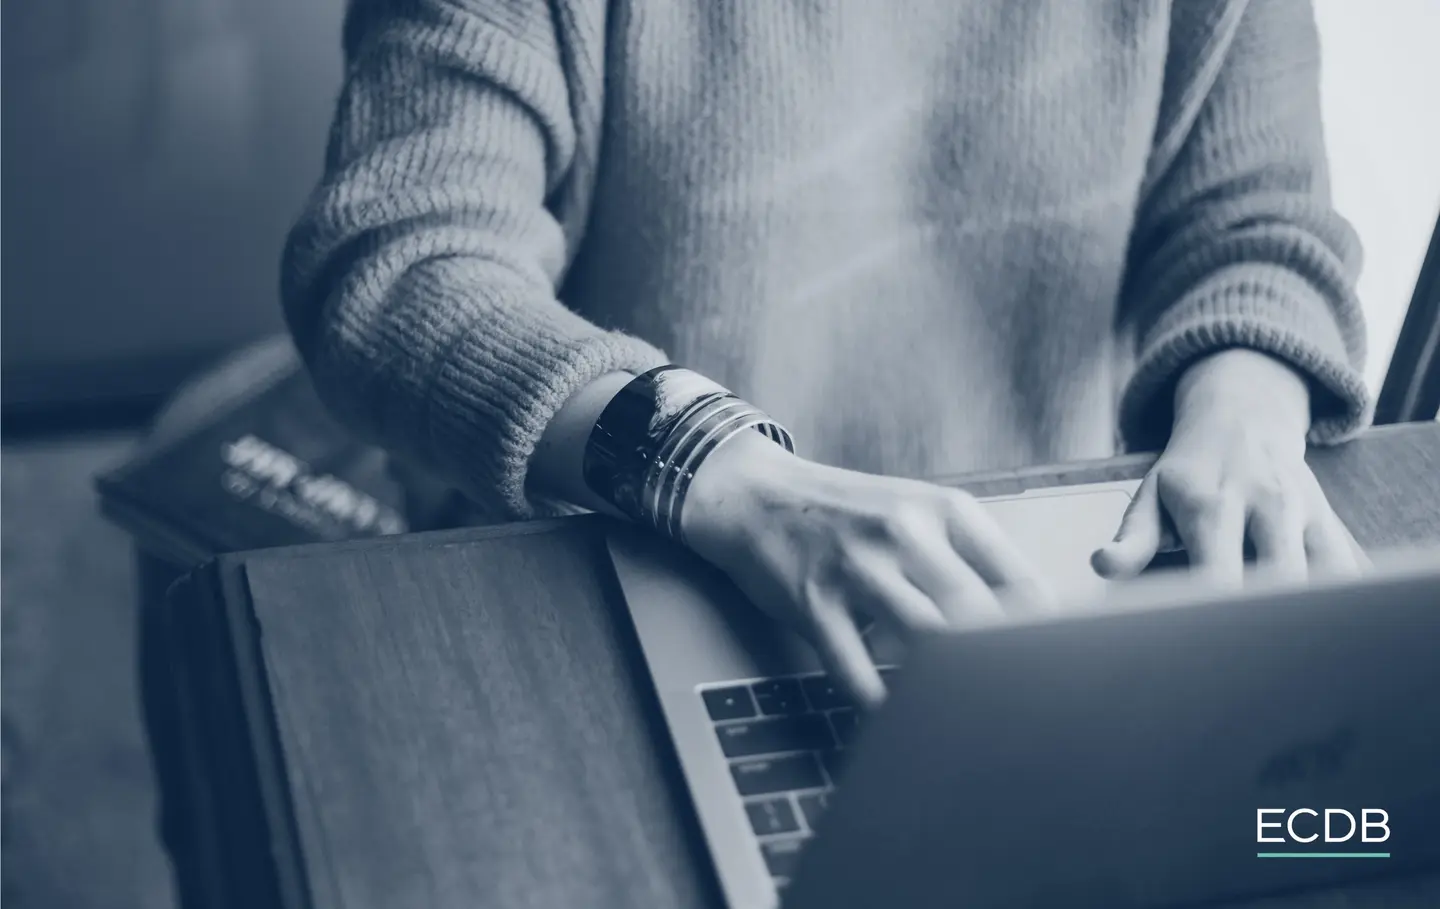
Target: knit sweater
[(929, 237)]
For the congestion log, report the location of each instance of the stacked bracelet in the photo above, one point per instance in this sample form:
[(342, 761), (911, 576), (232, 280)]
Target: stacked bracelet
[(648, 443), (700, 432)]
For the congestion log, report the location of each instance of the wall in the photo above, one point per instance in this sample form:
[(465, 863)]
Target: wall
[(155, 152), (1381, 74)]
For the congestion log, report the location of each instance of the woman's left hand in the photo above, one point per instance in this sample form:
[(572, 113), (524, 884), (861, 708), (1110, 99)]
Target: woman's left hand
[(1235, 468)]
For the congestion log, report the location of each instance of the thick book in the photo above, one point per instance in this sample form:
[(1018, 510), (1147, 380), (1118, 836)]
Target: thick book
[(439, 719), (272, 468)]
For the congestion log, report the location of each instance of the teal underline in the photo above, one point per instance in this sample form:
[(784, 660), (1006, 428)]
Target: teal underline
[(1322, 855)]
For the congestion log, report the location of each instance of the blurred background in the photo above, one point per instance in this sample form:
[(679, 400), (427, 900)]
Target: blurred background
[(154, 152)]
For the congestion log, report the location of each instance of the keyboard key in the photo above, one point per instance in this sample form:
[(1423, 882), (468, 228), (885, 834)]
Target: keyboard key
[(789, 733), (779, 697), (781, 774), (824, 694), (834, 762), (846, 723), (772, 816), (781, 856), (813, 805), (729, 703)]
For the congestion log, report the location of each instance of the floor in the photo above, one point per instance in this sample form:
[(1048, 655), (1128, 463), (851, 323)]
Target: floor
[(78, 795)]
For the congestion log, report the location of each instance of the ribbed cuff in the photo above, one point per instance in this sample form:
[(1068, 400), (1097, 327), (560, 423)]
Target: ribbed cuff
[(1264, 308), (501, 398)]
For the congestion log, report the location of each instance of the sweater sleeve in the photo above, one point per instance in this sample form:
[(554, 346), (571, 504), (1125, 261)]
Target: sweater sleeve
[(1236, 242), (420, 280)]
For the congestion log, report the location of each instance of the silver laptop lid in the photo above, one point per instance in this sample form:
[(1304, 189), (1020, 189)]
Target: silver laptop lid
[(1122, 758)]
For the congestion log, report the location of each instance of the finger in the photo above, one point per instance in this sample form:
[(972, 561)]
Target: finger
[(892, 598), (1214, 535), (1278, 532), (1331, 549), (1139, 537), (957, 591), (877, 587), (842, 649), (983, 545)]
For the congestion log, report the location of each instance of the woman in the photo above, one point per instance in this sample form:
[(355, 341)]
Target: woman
[(925, 237)]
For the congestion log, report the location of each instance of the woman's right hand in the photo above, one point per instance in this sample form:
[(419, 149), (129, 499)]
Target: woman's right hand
[(813, 545)]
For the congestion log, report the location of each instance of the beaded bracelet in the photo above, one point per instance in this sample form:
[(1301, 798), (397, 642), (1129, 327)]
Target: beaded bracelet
[(653, 436)]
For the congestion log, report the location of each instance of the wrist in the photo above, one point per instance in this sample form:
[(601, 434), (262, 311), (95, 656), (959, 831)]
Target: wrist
[(557, 467), (1240, 383), (728, 487), (656, 434)]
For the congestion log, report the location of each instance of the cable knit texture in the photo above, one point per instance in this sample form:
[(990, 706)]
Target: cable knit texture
[(929, 236)]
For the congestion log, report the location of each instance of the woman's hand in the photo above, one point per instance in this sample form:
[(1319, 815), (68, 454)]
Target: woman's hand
[(1235, 467), (811, 545)]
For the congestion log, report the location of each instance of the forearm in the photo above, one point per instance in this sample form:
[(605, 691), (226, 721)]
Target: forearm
[(1238, 245), (420, 281)]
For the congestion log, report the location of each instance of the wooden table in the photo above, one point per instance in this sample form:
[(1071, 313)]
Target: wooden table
[(511, 753)]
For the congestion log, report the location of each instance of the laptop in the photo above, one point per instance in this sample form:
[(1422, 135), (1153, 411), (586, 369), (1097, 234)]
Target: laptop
[(721, 666), (1129, 757), (763, 738)]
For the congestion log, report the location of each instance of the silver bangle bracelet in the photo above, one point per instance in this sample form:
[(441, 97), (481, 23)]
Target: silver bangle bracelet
[(671, 496), (684, 475), (660, 482), (697, 435)]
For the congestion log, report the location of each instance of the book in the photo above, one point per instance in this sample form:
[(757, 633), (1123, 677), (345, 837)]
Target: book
[(335, 725), (271, 468)]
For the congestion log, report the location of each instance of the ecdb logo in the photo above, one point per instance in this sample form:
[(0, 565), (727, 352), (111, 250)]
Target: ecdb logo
[(1306, 825)]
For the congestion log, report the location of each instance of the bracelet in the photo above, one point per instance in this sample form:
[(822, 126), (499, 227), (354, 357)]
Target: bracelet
[(651, 439), (660, 479), (670, 498), (632, 430), (665, 486)]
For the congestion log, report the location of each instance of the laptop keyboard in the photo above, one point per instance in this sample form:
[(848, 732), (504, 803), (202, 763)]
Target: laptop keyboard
[(785, 740)]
